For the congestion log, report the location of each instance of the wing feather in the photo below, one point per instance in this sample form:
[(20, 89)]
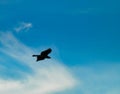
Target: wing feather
[(46, 52)]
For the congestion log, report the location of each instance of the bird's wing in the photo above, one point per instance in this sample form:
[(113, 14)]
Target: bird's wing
[(46, 52)]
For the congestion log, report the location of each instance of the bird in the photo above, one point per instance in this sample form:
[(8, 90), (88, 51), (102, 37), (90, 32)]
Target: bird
[(43, 55)]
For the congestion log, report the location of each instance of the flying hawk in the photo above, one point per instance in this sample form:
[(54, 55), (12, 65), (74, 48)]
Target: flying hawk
[(43, 55)]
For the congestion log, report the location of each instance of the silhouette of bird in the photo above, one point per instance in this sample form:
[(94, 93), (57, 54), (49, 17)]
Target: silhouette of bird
[(43, 55)]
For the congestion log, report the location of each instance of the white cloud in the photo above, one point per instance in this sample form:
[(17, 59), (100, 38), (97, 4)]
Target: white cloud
[(49, 76), (23, 27)]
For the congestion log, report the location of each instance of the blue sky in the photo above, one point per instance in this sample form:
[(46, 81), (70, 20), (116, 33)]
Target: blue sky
[(84, 36)]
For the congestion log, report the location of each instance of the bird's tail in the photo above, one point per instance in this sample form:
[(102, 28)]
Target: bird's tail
[(34, 55)]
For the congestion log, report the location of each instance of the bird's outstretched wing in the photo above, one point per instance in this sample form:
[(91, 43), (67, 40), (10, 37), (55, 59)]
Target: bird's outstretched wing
[(46, 52)]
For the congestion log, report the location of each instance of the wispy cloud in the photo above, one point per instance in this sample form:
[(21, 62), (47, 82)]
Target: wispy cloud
[(93, 10), (85, 11), (49, 76), (99, 79), (23, 27)]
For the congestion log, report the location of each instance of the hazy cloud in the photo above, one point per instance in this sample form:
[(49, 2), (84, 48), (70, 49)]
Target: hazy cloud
[(49, 76), (98, 79)]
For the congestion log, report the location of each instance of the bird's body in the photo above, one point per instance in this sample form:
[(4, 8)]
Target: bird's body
[(43, 55)]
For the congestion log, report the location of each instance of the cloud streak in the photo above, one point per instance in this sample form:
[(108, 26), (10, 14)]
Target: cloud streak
[(23, 27), (49, 76)]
